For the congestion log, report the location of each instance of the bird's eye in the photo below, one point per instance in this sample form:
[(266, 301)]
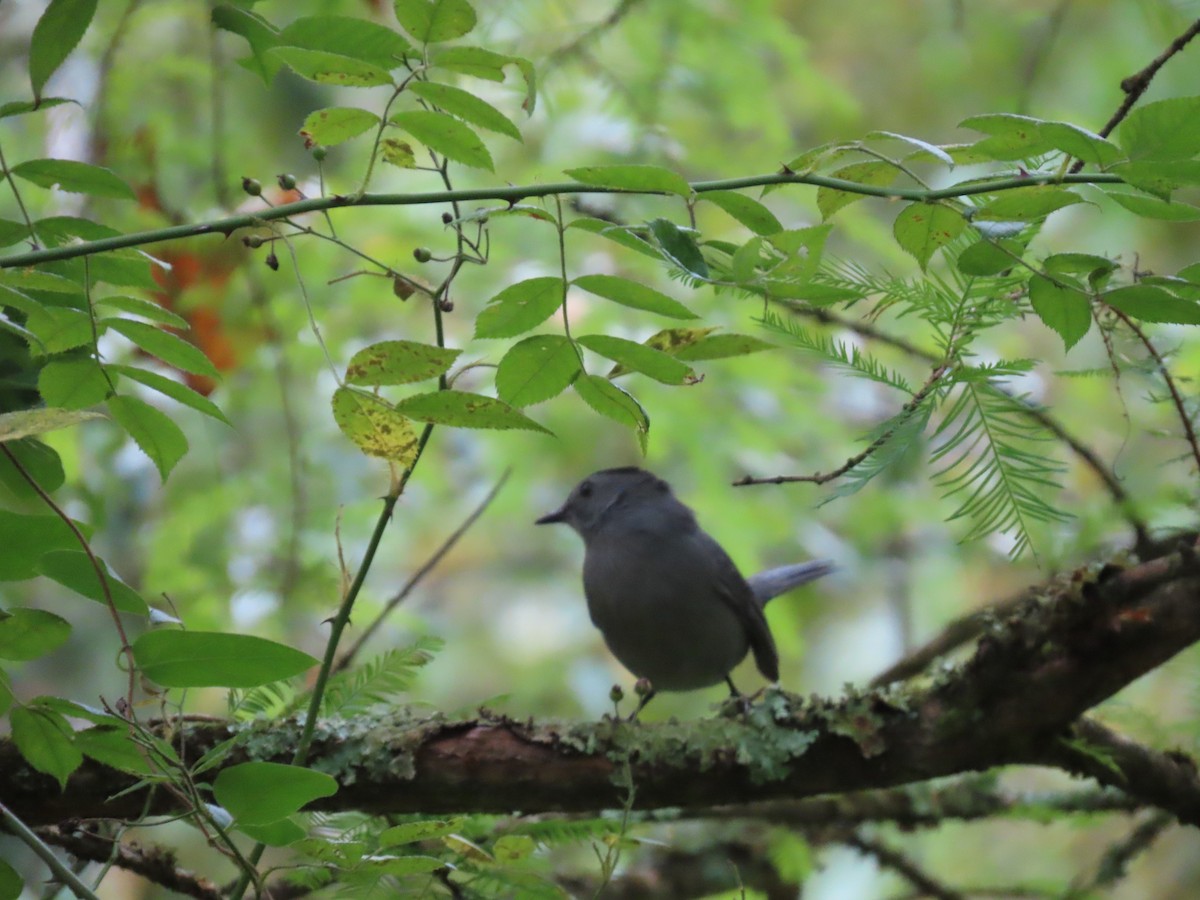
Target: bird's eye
[(585, 489)]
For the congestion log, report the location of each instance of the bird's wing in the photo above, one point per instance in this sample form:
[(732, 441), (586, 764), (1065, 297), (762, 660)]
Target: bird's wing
[(733, 590)]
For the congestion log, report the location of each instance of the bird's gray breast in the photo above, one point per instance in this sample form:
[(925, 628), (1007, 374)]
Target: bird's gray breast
[(654, 597)]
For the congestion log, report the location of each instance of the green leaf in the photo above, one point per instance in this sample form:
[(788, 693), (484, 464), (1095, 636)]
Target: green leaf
[(170, 348), (25, 539), (446, 135), (330, 68), (73, 569), (466, 106), (275, 834), (1028, 204), (147, 309), (1160, 178), (634, 295), (12, 886), (113, 746), (1079, 142), (257, 793), (21, 107), (258, 32), (434, 21), (153, 431), (721, 346), (1153, 208), (746, 210), (679, 247), (1012, 136), (73, 383), (336, 124), (11, 232), (874, 174), (398, 362), (924, 228), (640, 358), (1062, 309), (16, 280), (619, 234), (44, 739), (609, 400), (40, 462), (511, 848), (347, 36), (520, 307), (1153, 304), (39, 421), (1096, 269), (29, 633), (642, 179), (184, 659), (60, 328), (536, 369), (464, 410), (1165, 130), (398, 153), (375, 426), (56, 34), (73, 177), (411, 832), (988, 257), (176, 390), (923, 147)]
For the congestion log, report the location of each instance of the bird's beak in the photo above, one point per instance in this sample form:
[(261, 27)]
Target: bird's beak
[(559, 515)]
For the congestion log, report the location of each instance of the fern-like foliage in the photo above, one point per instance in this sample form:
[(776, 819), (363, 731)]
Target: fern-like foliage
[(379, 681), (992, 460), (899, 436), (835, 353), (269, 701)]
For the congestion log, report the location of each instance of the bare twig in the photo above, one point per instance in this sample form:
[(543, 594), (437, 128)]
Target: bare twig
[(893, 859), (421, 572), (1138, 83)]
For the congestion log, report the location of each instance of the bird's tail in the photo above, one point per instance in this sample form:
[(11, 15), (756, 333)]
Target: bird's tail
[(771, 583)]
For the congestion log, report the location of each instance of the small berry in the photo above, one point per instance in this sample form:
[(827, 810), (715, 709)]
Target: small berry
[(272, 261), (252, 187), (253, 241), (422, 254), (287, 181), (319, 154), (447, 218)]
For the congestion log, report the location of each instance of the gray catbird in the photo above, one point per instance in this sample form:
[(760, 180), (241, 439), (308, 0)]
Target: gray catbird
[(671, 604)]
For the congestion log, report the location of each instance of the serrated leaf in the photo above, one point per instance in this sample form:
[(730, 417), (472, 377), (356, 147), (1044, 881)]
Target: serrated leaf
[(1096, 269), (44, 740), (1064, 310), (520, 307), (633, 294), (73, 177), (680, 247), (147, 309), (1079, 142), (258, 32), (722, 346), (375, 426), (746, 210), (400, 154), (922, 229), (1164, 130), (639, 178), (113, 746), (176, 390), (74, 570), (60, 328), (1160, 178), (56, 34), (411, 832), (40, 463), (639, 358), (464, 410), (153, 431), (1012, 136), (183, 659), (29, 633), (11, 232), (330, 68), (1028, 204), (28, 422), (1153, 208), (1153, 304), (446, 135), (398, 362), (434, 21), (619, 234), (536, 369), (988, 257), (512, 848), (466, 106), (347, 36), (924, 146), (336, 124), (258, 793), (609, 400), (479, 62), (874, 174), (170, 348), (73, 383)]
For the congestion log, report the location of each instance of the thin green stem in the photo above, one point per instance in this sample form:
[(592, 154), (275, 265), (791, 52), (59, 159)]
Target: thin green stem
[(229, 224), (38, 846)]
